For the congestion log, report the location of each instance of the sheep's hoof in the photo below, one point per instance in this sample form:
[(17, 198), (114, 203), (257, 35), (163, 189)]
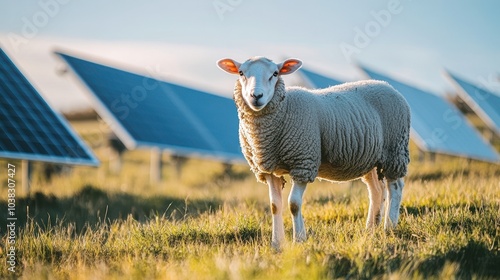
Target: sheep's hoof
[(300, 238), (371, 225), (276, 247), (389, 226)]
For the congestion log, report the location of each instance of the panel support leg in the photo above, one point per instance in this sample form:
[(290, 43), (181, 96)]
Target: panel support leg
[(155, 166)]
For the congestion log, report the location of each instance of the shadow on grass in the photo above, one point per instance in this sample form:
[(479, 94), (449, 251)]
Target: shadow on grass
[(437, 175), (474, 259), (472, 207), (428, 176), (91, 207)]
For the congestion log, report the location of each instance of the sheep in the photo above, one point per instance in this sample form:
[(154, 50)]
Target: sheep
[(341, 133)]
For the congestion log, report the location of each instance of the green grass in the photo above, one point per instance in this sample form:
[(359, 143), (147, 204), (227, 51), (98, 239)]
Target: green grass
[(205, 224)]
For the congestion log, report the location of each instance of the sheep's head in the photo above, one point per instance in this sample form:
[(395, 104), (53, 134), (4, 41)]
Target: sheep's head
[(258, 77)]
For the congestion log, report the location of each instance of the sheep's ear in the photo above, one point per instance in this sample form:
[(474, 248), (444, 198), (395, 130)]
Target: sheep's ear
[(289, 66), (229, 65)]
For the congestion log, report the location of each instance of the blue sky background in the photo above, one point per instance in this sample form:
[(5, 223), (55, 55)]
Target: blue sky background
[(181, 40)]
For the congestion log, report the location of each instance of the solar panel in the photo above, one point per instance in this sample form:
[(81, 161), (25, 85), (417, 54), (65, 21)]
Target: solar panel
[(316, 80), (145, 112), (439, 127), (482, 101), (29, 128)]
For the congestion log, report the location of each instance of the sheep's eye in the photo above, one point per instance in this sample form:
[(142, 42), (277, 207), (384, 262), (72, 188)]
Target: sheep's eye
[(241, 73), (275, 74)]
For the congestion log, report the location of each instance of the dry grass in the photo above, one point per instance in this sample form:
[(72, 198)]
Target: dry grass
[(206, 224)]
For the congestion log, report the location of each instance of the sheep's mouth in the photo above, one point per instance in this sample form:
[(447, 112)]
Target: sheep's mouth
[(256, 105)]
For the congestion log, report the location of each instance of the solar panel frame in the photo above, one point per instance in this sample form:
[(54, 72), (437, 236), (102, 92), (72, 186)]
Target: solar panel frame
[(30, 128), (420, 124), (477, 97), (195, 114)]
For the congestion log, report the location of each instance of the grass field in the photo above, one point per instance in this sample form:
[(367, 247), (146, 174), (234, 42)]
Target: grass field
[(207, 224)]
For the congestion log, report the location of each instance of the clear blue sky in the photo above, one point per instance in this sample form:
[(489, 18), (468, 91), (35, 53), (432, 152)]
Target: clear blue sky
[(415, 44)]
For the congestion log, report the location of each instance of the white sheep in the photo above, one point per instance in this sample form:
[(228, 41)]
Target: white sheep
[(341, 133)]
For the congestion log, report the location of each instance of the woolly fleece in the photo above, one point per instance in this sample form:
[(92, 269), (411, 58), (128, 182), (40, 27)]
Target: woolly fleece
[(338, 134)]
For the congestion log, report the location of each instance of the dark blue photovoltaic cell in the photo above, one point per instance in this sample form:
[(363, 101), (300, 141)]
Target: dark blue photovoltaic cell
[(318, 81), (29, 128), (484, 103), (439, 126), (152, 113)]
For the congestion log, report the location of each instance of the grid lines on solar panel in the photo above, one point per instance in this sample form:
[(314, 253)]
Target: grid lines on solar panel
[(155, 113), (29, 128)]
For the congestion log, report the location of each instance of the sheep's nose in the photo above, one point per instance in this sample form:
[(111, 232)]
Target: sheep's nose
[(257, 96)]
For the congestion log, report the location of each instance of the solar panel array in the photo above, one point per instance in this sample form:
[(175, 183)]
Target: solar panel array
[(29, 128), (145, 112), (438, 126), (482, 101)]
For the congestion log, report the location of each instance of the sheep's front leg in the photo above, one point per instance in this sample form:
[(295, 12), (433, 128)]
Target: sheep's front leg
[(394, 195), (295, 204), (275, 190)]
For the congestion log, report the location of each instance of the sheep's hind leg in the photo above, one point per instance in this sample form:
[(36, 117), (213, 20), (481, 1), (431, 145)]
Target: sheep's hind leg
[(295, 204), (376, 193), (275, 190), (382, 184), (394, 195)]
